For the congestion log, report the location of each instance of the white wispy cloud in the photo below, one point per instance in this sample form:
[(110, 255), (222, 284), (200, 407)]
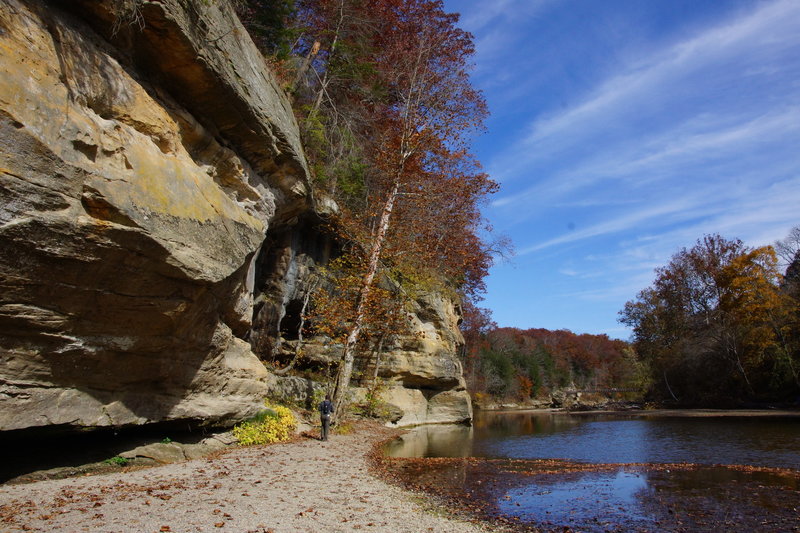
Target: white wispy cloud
[(757, 217), (657, 82), (481, 14), (625, 270), (686, 143), (660, 157), (498, 26), (774, 25), (673, 210)]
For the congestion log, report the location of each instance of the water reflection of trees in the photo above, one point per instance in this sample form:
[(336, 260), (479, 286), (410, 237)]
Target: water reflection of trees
[(505, 424)]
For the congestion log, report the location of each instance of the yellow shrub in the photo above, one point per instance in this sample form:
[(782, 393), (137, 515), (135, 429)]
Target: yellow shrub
[(272, 425)]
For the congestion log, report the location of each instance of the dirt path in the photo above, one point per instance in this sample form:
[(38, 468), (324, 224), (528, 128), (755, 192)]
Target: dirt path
[(296, 487)]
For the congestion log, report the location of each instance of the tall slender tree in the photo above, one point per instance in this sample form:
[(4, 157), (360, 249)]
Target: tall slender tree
[(421, 134)]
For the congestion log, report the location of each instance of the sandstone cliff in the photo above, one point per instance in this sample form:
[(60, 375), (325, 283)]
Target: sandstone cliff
[(157, 225)]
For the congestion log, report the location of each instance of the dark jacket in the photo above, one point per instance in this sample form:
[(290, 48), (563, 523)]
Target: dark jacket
[(326, 408)]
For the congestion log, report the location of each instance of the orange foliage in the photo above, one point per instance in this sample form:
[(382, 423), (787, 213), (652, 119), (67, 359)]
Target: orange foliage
[(715, 327), (391, 111)]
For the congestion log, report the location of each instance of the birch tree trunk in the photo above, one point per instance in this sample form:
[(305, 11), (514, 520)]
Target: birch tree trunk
[(377, 362), (346, 368)]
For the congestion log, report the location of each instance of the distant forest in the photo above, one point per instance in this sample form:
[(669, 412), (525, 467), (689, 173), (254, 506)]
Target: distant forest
[(514, 365), (719, 327)]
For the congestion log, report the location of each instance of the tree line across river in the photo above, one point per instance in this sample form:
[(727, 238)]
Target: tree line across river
[(719, 327), (515, 365)]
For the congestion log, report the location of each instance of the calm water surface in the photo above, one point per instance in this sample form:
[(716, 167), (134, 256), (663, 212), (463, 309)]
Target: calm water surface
[(773, 442), (631, 498)]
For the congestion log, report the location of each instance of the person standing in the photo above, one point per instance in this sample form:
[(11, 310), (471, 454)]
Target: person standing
[(325, 412)]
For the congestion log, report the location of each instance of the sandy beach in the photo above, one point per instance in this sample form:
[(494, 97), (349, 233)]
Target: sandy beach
[(304, 485)]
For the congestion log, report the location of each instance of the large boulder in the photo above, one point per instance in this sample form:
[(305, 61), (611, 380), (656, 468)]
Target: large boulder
[(419, 406), (423, 373)]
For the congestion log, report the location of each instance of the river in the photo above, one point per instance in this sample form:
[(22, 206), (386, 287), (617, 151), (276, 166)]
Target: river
[(606, 472)]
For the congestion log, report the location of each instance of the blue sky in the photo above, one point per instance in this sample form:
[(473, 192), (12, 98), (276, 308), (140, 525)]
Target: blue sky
[(624, 130)]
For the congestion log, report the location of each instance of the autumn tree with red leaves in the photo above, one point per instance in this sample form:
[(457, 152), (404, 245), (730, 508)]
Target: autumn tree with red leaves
[(475, 326), (383, 95), (423, 175)]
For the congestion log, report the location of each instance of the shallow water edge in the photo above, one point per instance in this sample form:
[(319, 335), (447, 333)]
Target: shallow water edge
[(495, 470)]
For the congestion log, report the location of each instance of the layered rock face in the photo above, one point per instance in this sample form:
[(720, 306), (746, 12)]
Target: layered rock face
[(137, 183), (152, 184)]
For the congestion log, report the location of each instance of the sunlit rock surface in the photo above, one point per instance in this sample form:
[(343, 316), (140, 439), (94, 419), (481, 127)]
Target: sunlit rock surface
[(424, 375), (138, 178)]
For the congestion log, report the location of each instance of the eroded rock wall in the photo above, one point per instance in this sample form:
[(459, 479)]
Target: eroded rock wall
[(139, 172), (424, 375)]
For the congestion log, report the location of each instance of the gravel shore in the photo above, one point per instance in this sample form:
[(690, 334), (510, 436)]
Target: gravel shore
[(306, 485)]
